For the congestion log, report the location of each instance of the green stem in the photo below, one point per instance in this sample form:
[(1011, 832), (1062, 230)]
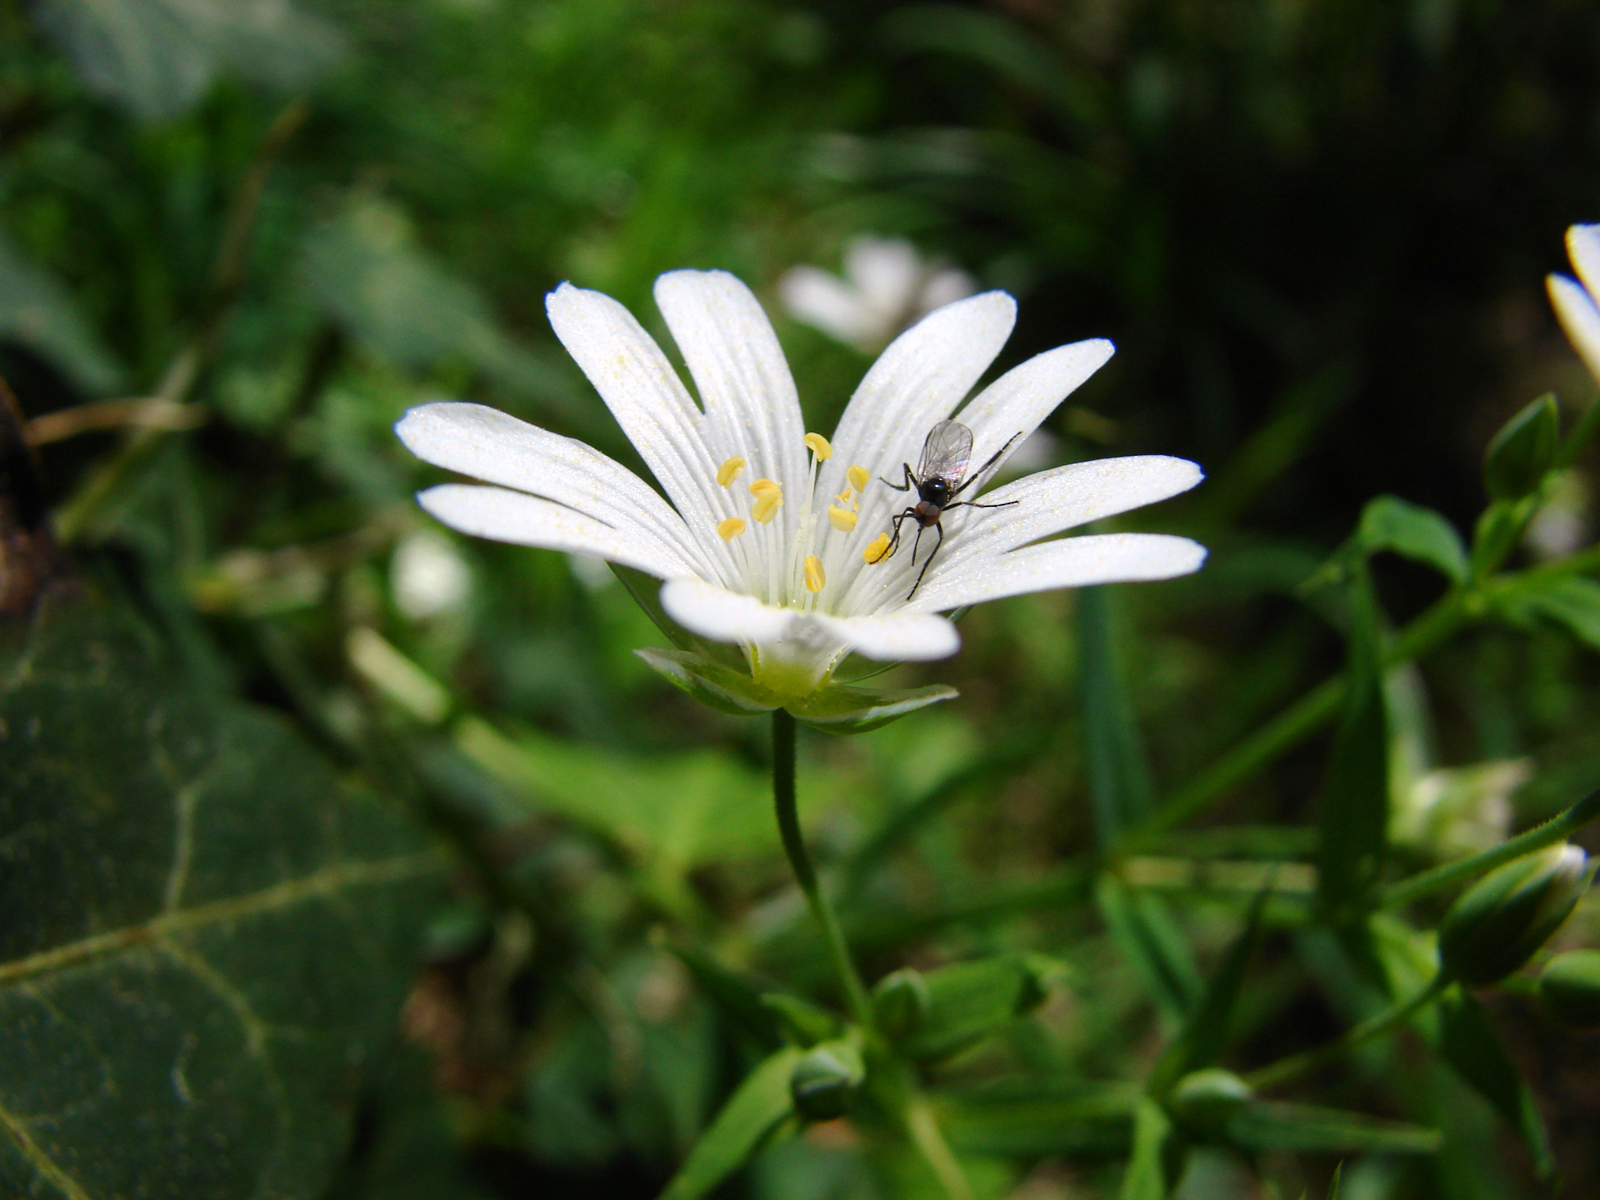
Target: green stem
[(794, 844), (1556, 829), (1289, 1069), (923, 1126), (1434, 626)]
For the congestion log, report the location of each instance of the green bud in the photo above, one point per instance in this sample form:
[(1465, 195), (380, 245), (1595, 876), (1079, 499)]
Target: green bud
[(825, 1079), (900, 1003), (1205, 1099), (1523, 450), (1569, 989), (1499, 922), (804, 1022)]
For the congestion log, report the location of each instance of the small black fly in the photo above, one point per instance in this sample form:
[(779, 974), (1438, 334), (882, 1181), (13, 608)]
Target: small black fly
[(938, 480)]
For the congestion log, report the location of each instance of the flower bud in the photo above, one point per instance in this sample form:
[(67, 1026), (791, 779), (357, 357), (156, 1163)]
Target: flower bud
[(1498, 923), (1525, 448), (899, 1003), (825, 1079), (1569, 989), (1205, 1099)]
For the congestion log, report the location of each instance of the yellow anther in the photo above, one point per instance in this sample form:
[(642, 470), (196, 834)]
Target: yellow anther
[(858, 478), (841, 519), (819, 446), (844, 496), (729, 471), (767, 506), (766, 487), (877, 550), (816, 578), (731, 528)]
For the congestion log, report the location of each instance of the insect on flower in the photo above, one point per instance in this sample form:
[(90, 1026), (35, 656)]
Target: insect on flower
[(938, 480)]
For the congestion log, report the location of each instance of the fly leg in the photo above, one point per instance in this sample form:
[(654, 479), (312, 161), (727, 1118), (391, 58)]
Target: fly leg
[(979, 473), (895, 544), (975, 504), (909, 485), (925, 565)]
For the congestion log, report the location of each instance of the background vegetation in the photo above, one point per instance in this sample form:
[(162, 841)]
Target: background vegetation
[(457, 897)]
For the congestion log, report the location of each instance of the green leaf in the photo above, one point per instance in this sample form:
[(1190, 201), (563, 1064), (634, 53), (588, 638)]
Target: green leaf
[(968, 1001), (1466, 1038), (1569, 601), (1355, 791), (158, 58), (1147, 1176), (38, 312), (750, 1116), (1421, 534), (851, 709), (805, 1023), (1150, 940), (1041, 1119), (1119, 779), (207, 939), (1205, 1031), (739, 998), (711, 683), (1274, 1126), (1525, 448)]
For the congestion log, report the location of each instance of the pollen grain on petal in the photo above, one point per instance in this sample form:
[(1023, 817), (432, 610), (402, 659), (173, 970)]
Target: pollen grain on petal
[(816, 577), (819, 446), (841, 519), (767, 506), (729, 471), (731, 528), (858, 477), (877, 550)]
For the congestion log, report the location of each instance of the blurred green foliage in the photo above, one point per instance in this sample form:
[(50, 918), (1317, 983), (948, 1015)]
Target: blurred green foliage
[(238, 239)]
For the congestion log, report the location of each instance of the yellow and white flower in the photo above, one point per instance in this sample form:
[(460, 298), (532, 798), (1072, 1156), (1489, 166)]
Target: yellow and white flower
[(774, 538)]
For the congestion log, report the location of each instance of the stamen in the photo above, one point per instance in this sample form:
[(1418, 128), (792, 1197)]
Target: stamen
[(816, 578), (731, 528), (729, 471), (766, 487), (858, 477), (877, 550), (819, 446), (841, 519), (767, 505), (844, 496)]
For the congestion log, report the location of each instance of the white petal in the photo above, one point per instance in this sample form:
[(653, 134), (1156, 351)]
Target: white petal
[(1027, 394), (1583, 244), (525, 520), (723, 616), (497, 448), (1051, 502), (649, 401), (826, 302), (752, 409), (894, 637), (1579, 318), (1069, 562)]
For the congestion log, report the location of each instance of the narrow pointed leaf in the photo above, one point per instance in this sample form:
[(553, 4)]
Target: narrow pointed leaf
[(761, 1103), (1119, 779), (1265, 1126), (739, 998), (1148, 938), (1146, 1177), (849, 709), (968, 1001)]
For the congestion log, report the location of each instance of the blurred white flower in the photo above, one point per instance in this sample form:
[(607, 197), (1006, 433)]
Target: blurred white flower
[(887, 286), (428, 575), (1575, 300), (777, 539), (1456, 811), (1561, 526)]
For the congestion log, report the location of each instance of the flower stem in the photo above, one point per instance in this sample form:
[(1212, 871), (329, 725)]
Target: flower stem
[(1286, 1070), (794, 844)]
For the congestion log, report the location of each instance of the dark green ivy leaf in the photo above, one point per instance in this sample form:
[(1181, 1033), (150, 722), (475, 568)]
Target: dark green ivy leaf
[(207, 940)]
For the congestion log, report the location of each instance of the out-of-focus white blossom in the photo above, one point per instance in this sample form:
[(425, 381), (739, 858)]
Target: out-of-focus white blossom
[(887, 286), (1456, 811), (1575, 300), (428, 575), (1561, 527)]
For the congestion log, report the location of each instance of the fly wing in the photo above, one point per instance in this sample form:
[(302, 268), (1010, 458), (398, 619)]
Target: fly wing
[(946, 453)]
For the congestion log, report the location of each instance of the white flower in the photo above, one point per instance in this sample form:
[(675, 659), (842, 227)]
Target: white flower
[(886, 286), (773, 537), (428, 576), (1575, 300)]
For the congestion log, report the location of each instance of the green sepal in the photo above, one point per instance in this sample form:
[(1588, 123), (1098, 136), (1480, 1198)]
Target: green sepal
[(1523, 451), (711, 683), (900, 1003), (968, 1001), (803, 1022), (850, 709), (825, 1080), (1498, 924)]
